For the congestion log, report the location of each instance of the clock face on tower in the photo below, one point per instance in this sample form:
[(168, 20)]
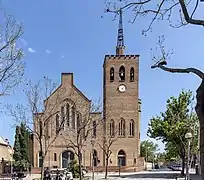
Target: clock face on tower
[(122, 88)]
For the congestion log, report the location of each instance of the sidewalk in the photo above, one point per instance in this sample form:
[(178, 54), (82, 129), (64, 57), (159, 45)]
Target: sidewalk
[(195, 177)]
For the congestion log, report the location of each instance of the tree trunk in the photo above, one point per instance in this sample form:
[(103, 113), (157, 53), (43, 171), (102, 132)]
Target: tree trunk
[(80, 169), (200, 113), (183, 166), (42, 169), (106, 173), (199, 106)]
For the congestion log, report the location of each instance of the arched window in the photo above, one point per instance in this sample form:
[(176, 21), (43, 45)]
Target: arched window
[(46, 127), (57, 124), (122, 128), (112, 74), (112, 127), (62, 117), (95, 158), (40, 159), (73, 117), (67, 114), (79, 121), (122, 73), (94, 128), (132, 124), (67, 158), (55, 156), (84, 129), (41, 128), (132, 74)]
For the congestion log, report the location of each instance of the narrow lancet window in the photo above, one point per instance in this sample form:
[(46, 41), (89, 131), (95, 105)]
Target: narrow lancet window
[(122, 73), (73, 117), (132, 74), (62, 117), (57, 124), (67, 114), (132, 124), (122, 128), (94, 128), (112, 128), (112, 74)]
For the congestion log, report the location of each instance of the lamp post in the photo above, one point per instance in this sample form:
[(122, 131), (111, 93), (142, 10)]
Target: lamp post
[(188, 136), (92, 148), (146, 149), (199, 167), (155, 161)]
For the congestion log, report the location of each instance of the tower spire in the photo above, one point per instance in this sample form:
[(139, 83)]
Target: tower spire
[(120, 39)]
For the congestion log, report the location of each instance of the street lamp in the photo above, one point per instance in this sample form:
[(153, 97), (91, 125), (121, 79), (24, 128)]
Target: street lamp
[(188, 136), (92, 147), (146, 149), (154, 160)]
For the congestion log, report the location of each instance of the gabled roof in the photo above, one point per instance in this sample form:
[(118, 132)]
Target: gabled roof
[(82, 94), (3, 142)]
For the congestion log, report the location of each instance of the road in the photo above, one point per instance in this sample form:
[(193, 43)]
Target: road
[(161, 174)]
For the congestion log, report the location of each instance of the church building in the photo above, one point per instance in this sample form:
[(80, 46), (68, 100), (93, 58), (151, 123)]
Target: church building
[(74, 124)]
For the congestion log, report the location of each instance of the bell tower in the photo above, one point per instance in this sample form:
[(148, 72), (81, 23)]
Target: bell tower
[(121, 103)]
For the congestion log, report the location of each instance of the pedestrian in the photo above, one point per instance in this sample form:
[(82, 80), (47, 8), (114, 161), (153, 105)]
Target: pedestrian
[(29, 168), (46, 174)]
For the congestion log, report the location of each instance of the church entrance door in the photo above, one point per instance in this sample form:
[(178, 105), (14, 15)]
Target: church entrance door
[(121, 158), (67, 157)]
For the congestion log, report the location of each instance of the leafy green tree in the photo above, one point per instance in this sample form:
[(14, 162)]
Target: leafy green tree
[(172, 125), (178, 13), (172, 152), (74, 168), (21, 147), (148, 150), (161, 157), (17, 147), (24, 142)]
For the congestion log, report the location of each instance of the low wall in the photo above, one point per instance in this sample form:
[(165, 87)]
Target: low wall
[(35, 170), (102, 169), (117, 169), (139, 166)]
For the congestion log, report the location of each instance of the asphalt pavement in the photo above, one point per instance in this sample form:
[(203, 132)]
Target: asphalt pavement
[(160, 174)]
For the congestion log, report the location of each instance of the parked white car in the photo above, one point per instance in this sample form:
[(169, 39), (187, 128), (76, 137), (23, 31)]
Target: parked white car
[(64, 174)]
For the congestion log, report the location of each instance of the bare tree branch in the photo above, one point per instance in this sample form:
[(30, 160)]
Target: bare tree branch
[(11, 63), (187, 17), (34, 116), (179, 70), (161, 62), (160, 10), (108, 140)]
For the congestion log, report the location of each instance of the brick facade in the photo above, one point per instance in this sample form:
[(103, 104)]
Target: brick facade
[(117, 105), (122, 105)]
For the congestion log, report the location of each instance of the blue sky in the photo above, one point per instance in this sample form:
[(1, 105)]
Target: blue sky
[(71, 36)]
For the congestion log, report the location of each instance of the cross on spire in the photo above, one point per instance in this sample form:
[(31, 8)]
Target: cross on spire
[(120, 39)]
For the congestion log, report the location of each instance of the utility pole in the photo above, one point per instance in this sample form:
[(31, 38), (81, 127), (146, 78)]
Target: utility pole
[(188, 136)]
